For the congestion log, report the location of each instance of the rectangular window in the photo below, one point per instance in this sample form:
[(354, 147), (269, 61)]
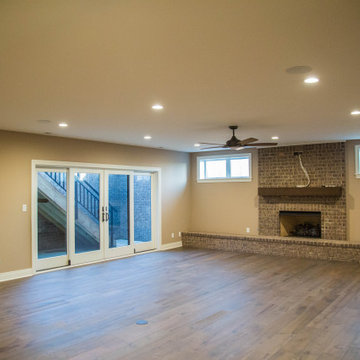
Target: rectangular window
[(215, 169), (224, 168)]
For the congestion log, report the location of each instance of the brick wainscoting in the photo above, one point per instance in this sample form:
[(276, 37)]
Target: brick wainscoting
[(325, 163), (275, 245)]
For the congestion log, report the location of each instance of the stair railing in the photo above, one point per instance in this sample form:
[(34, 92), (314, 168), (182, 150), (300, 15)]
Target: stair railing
[(58, 177), (86, 196), (87, 199)]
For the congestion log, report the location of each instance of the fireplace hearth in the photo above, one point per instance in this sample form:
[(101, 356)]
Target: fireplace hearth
[(305, 224)]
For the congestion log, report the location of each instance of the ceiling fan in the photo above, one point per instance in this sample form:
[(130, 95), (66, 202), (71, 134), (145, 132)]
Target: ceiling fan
[(235, 144)]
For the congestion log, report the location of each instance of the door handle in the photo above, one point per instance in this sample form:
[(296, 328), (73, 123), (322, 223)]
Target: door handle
[(107, 214), (103, 215)]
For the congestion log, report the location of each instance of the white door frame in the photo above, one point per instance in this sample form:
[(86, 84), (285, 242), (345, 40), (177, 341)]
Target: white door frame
[(43, 164)]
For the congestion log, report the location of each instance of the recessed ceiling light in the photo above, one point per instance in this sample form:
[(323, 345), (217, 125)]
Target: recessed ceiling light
[(197, 145), (355, 112), (311, 80), (157, 107), (44, 121), (147, 137), (275, 138), (63, 125)]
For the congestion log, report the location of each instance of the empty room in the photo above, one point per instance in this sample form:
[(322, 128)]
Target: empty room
[(180, 179)]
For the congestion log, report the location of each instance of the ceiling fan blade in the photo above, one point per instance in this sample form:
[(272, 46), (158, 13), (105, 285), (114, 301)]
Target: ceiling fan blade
[(235, 144), (262, 144), (248, 141), (212, 147), (205, 143)]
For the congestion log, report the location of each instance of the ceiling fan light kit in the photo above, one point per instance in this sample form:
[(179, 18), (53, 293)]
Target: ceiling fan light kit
[(234, 143)]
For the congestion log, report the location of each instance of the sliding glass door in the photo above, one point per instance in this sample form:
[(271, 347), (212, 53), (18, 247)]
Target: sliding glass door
[(87, 214)]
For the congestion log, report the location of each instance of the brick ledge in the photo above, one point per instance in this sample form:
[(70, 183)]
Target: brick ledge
[(277, 239)]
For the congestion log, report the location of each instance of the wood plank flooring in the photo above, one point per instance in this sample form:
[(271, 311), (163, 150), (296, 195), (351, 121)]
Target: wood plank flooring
[(200, 304)]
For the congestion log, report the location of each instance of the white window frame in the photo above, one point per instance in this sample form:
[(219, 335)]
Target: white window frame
[(357, 158), (227, 157)]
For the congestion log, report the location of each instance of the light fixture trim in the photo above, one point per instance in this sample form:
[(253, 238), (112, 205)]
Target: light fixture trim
[(355, 112), (63, 125), (157, 107), (311, 80), (299, 69)]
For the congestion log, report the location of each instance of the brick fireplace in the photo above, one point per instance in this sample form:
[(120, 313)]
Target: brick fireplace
[(279, 168)]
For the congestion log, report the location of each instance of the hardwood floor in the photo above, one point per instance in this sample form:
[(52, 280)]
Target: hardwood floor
[(199, 305)]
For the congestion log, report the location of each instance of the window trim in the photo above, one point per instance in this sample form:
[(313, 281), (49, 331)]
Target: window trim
[(225, 157), (357, 158)]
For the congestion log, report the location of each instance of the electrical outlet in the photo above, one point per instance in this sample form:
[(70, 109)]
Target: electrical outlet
[(24, 208), (179, 233), (173, 235), (247, 229)]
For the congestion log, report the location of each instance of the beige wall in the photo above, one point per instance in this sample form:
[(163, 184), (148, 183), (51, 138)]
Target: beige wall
[(18, 149), (352, 193), (225, 207), (231, 207), (186, 204)]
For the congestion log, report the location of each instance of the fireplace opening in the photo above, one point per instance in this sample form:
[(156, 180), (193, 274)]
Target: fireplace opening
[(300, 224)]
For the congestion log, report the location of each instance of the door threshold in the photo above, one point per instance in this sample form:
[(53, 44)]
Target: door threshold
[(143, 251), (37, 272)]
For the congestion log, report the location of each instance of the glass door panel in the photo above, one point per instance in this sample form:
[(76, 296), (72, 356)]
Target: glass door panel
[(51, 219), (118, 213), (119, 221), (87, 214), (143, 234), (86, 203)]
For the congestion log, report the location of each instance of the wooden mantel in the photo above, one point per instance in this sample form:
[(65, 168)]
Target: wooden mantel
[(330, 191)]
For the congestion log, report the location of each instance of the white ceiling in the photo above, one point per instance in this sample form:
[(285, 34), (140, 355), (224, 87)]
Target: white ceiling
[(100, 65)]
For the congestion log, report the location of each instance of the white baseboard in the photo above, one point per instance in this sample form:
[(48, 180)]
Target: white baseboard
[(17, 274), (172, 245)]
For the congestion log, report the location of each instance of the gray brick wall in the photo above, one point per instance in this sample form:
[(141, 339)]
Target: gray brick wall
[(325, 163)]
